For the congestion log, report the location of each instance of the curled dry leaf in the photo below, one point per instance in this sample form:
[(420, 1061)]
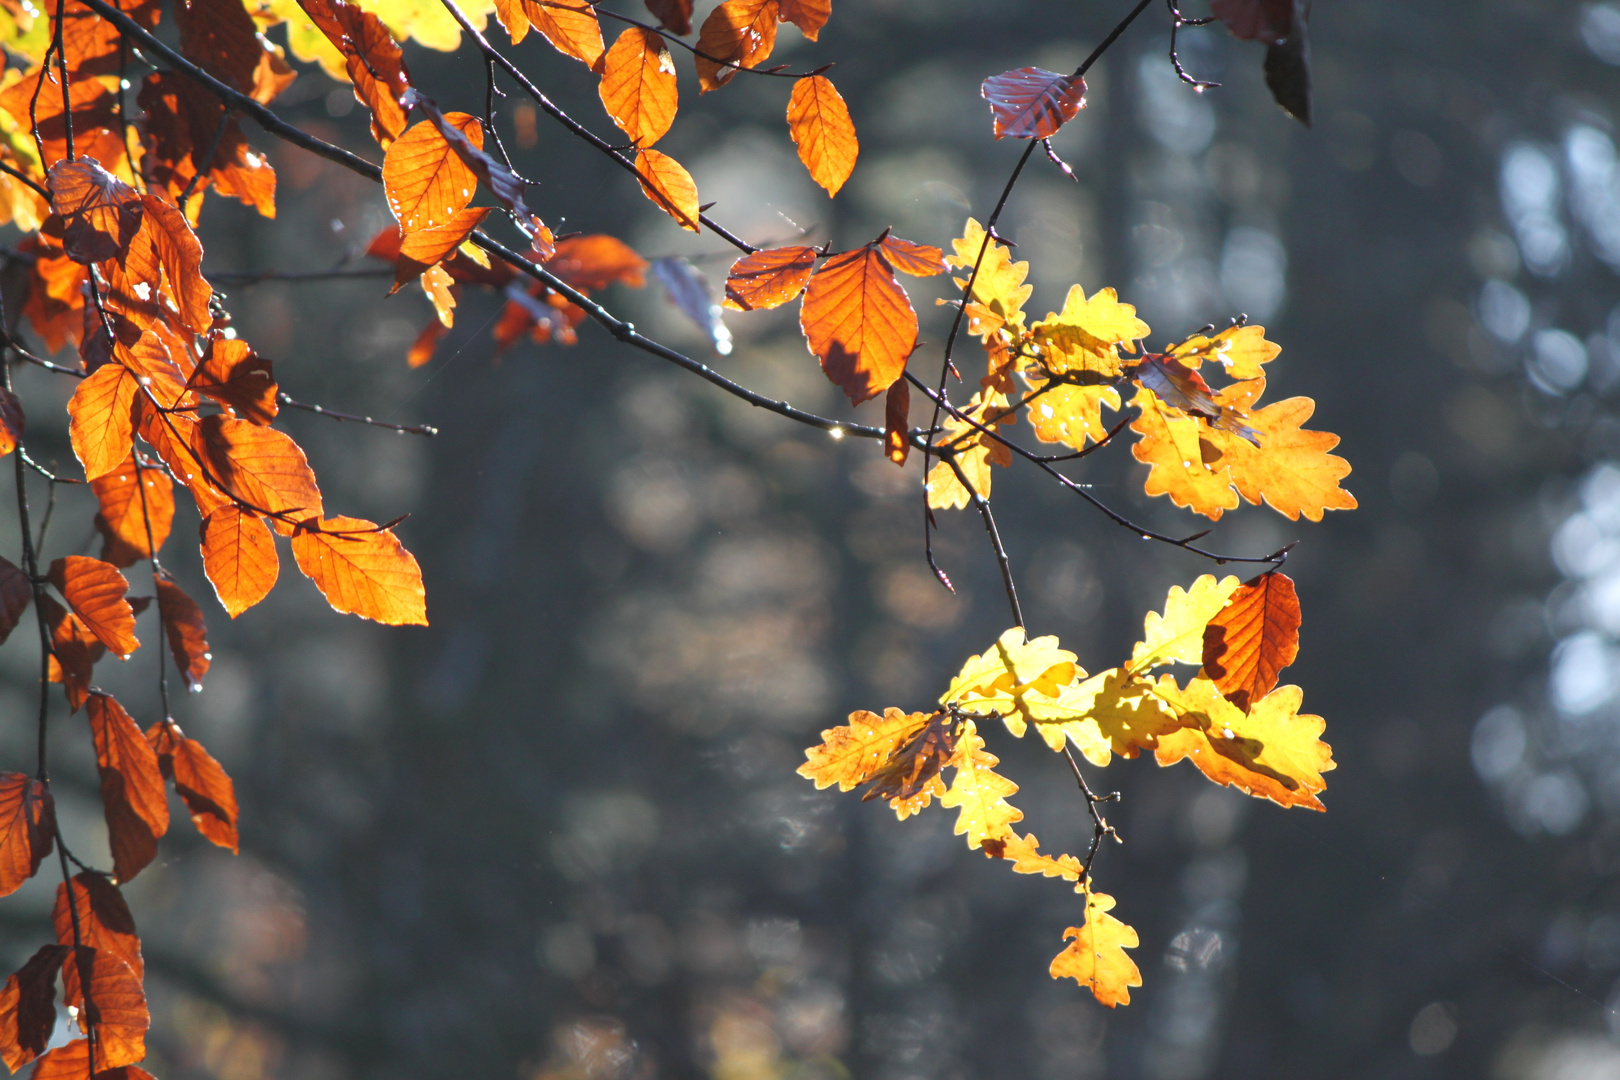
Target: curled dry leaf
[(362, 570), (1249, 642), (239, 557), (132, 795), (199, 780), (688, 289), (638, 86), (821, 128), (28, 1007), (769, 278), (897, 422), (27, 829), (910, 776), (1032, 103), (667, 183), (12, 421), (95, 591), (100, 213)]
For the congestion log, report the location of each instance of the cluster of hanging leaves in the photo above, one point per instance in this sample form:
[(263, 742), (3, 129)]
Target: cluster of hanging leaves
[(1230, 719)]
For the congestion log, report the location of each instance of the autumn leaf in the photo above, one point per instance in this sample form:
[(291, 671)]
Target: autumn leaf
[(1071, 415), (897, 422), (165, 240), (1242, 351), (373, 60), (1272, 752), (851, 755), (28, 1007), (768, 278), (74, 651), (100, 426), (239, 557), (199, 780), (821, 128), (115, 1007), (15, 593), (1253, 638), (858, 320), (638, 87), (595, 261), (362, 570), (999, 293), (1018, 679), (909, 778), (1113, 712), (12, 422), (100, 213), (502, 182), (95, 591), (424, 179), (220, 37), (976, 451), (1177, 635), (569, 25), (104, 923), (979, 794), (261, 466), (808, 15), (1096, 957), (137, 509), (667, 183), (1182, 388), (1085, 338), (67, 1062), (132, 795), (27, 829), (1032, 103), (237, 377), (1025, 855), (184, 627), (737, 34), (673, 15)]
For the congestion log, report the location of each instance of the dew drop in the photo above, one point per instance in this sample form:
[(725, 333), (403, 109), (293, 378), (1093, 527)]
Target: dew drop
[(836, 433), (1227, 732)]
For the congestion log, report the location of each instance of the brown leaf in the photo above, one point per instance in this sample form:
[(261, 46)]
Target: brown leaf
[(12, 422), (219, 36), (187, 633), (95, 116), (638, 86), (132, 795), (375, 64), (199, 781), (69, 1062), (27, 829), (821, 128), (173, 436), (666, 182), (105, 924), (1253, 638), (737, 32), (421, 351), (115, 1007), (808, 15), (595, 261), (239, 557), (74, 650), (100, 213), (100, 426), (362, 570), (28, 1007), (95, 591), (1032, 103), (897, 422), (238, 378), (91, 42), (769, 278), (673, 15), (15, 593), (260, 466), (910, 775)]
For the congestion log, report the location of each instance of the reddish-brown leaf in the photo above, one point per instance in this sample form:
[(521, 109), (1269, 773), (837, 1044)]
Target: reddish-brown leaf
[(362, 570), (768, 278), (238, 378), (638, 86), (374, 61), (666, 182), (153, 365), (808, 15), (260, 466), (132, 795), (737, 33), (673, 15), (1032, 103), (95, 591), (183, 119), (219, 36), (12, 422), (28, 1007), (165, 240), (74, 650), (100, 426), (199, 781), (15, 593), (69, 1062), (100, 213), (187, 633), (239, 557), (27, 829), (1270, 21), (597, 260), (91, 42), (1253, 638), (105, 924), (918, 260), (115, 1007), (859, 322), (897, 422), (174, 437), (821, 128)]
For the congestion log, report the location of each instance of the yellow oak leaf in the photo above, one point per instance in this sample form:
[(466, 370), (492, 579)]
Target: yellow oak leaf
[(1085, 337), (1177, 636), (1179, 449), (1272, 752), (1071, 415), (1025, 855), (1291, 469), (851, 755), (979, 793), (1019, 679), (1096, 957), (910, 777), (976, 452), (999, 291), (1241, 350), (1109, 713)]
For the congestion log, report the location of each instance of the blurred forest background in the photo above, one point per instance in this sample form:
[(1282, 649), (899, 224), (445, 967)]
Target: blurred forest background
[(558, 835)]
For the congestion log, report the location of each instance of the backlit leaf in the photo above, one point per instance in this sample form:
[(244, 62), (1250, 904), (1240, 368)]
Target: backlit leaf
[(909, 779), (638, 86), (897, 422), (975, 451), (187, 633), (104, 923), (1086, 336), (979, 794), (199, 781), (132, 525), (12, 422), (100, 426), (15, 594), (851, 755), (1248, 642), (859, 322), (28, 1007), (1032, 103), (261, 466), (239, 557), (666, 182), (27, 829), (115, 1007), (1025, 855), (220, 37), (74, 651), (821, 128), (501, 181), (1016, 678), (100, 213), (165, 239), (769, 278), (362, 570), (424, 178), (808, 15), (1071, 415), (673, 15), (570, 25), (132, 795), (1096, 957), (1177, 636), (95, 591), (1242, 351), (737, 33), (372, 58), (237, 377), (426, 247)]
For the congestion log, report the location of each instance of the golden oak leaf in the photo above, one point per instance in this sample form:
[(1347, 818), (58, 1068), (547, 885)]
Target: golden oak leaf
[(1071, 415), (975, 452), (768, 278), (1272, 752), (95, 591), (1177, 636), (1291, 469), (199, 781), (137, 807), (362, 570), (1096, 957), (999, 291), (979, 794), (910, 776), (1019, 679), (737, 34), (239, 557), (1032, 103), (28, 1007), (1184, 461), (1109, 713), (27, 829), (1086, 336), (441, 292), (1253, 638), (638, 86), (852, 754), (424, 178), (821, 128), (137, 509), (1025, 855), (1241, 350), (666, 182), (100, 426)]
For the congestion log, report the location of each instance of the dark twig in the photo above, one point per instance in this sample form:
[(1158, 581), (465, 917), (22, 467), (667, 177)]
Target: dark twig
[(403, 429), (674, 40), (983, 506), (1177, 21), (1099, 825)]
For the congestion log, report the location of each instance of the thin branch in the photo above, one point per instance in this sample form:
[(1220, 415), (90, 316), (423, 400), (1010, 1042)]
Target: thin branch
[(674, 40), (18, 174), (1099, 825), (983, 506), (403, 429), (1177, 21)]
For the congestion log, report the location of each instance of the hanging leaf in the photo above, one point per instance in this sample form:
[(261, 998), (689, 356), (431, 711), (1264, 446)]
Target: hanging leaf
[(239, 557), (95, 591), (137, 511), (1096, 957), (183, 625), (100, 213), (100, 426), (638, 86), (1032, 103), (362, 570), (28, 1007), (132, 795), (665, 182), (769, 278), (737, 34), (821, 128), (238, 378), (104, 924), (1248, 642), (673, 15), (27, 829), (199, 781)]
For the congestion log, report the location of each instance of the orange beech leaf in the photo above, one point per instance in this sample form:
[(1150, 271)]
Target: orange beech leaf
[(374, 61), (199, 781), (239, 557), (15, 593), (362, 570), (666, 182), (851, 755), (570, 25), (638, 86), (261, 466), (165, 239), (808, 15), (596, 261), (100, 213), (673, 15), (441, 293), (220, 37), (909, 779), (421, 351), (95, 117), (68, 1062), (173, 436), (918, 260), (105, 924), (897, 422), (769, 278), (187, 633), (28, 1007), (74, 651), (859, 321), (132, 795), (1096, 957), (91, 42), (501, 181), (101, 427), (1032, 103), (737, 32), (115, 1007), (238, 378), (1253, 638), (55, 303), (821, 128), (130, 527), (425, 248), (424, 178), (12, 422), (155, 371), (95, 591), (27, 829), (182, 119)]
